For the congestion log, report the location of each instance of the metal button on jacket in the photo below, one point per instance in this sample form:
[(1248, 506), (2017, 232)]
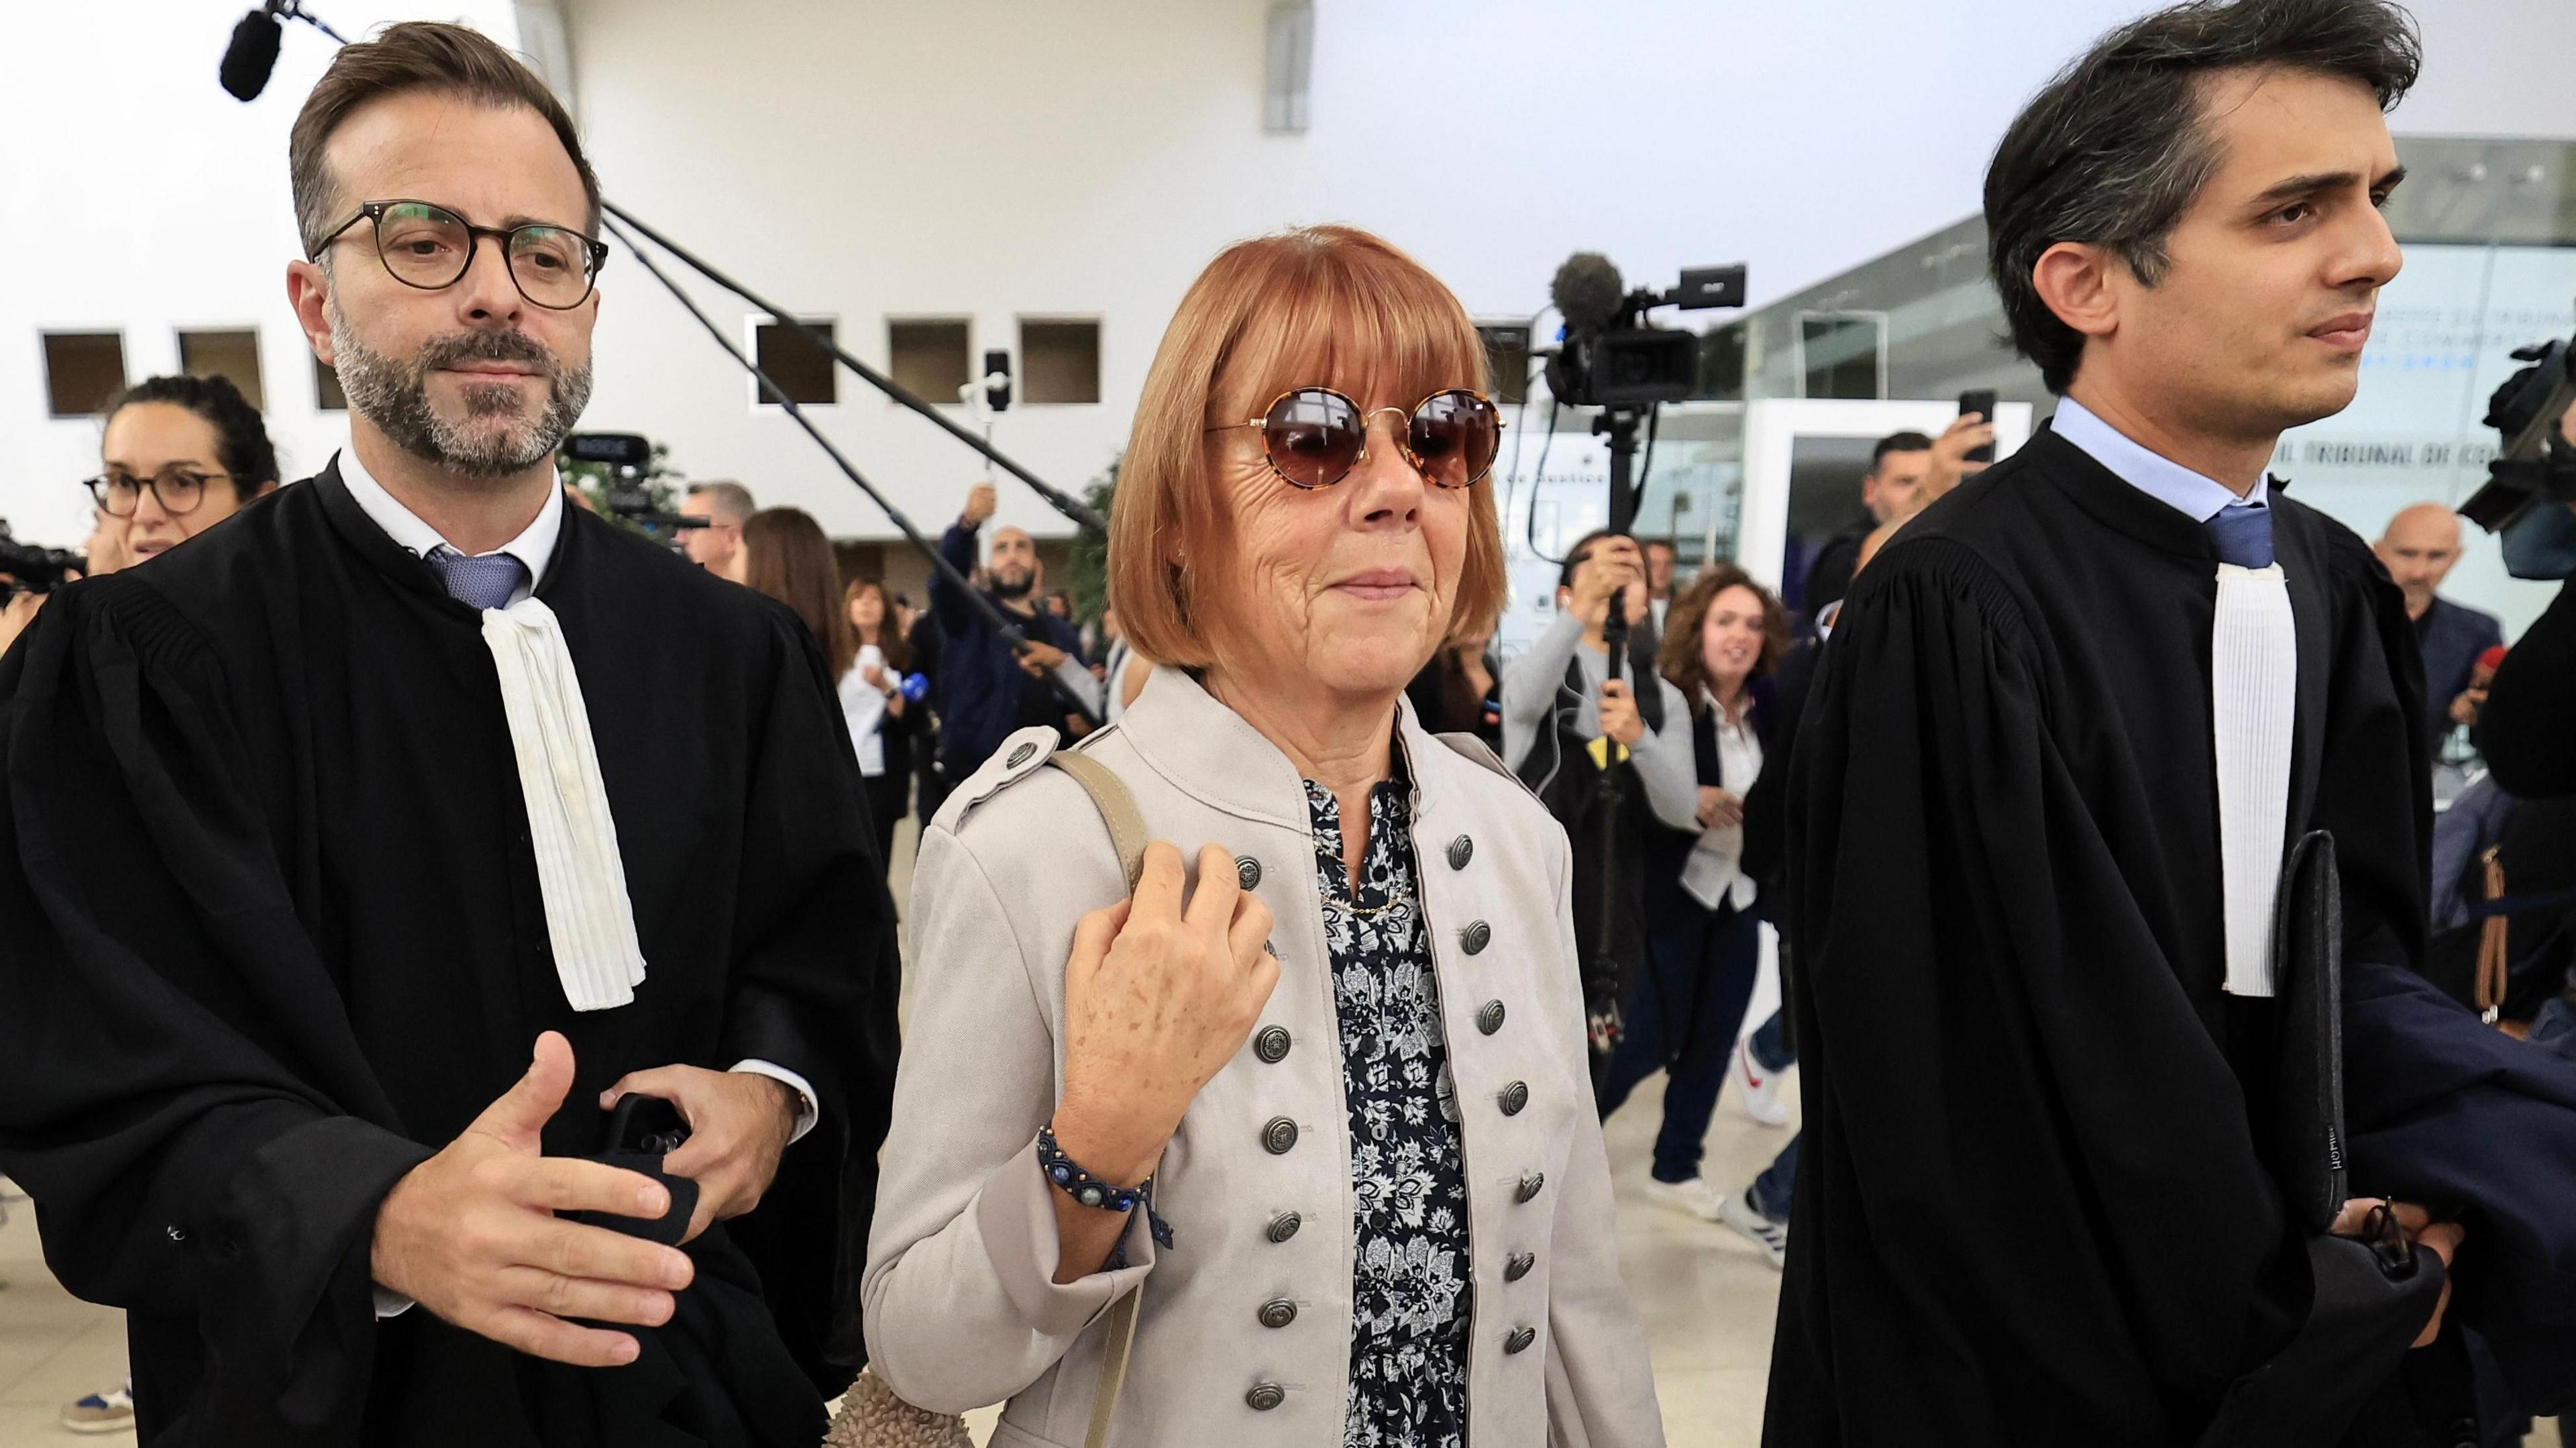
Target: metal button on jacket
[(1530, 1185), (1265, 1396), (1020, 756), (1272, 1044), (1515, 1096), (1476, 937), (1278, 1313), (1520, 1339), (1279, 1136), (1519, 1266), (1248, 870), (1285, 1225), (1461, 850), (1489, 1017)]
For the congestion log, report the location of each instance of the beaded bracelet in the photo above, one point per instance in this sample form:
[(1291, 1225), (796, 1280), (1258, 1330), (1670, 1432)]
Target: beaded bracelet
[(1091, 1191)]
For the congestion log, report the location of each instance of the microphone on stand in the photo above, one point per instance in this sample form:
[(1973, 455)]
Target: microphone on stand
[(252, 55)]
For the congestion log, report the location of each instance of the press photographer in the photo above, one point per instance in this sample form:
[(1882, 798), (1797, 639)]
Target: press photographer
[(991, 684), (1580, 736), (2529, 719)]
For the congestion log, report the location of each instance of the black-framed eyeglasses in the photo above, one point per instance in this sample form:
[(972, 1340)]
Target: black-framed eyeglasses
[(425, 245), (179, 490), (1314, 436)]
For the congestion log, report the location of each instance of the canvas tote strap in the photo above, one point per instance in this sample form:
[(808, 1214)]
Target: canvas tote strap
[(1127, 836)]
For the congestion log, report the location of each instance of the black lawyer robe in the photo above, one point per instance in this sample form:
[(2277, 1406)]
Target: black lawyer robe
[(274, 935), (2031, 1206)]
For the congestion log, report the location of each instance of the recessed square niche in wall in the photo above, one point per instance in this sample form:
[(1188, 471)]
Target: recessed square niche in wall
[(802, 370), (82, 371), (327, 396), (1060, 361), (927, 356), (230, 355), (1507, 357)]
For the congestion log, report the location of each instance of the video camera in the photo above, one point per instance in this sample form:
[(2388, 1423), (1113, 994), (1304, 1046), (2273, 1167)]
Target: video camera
[(1611, 356), (627, 490), (2538, 464), (31, 569)]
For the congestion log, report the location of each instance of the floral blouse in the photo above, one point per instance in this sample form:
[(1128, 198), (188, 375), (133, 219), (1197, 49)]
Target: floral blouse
[(1412, 1292)]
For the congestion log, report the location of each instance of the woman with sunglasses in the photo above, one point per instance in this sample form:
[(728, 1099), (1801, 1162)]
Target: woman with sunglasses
[(1318, 1089)]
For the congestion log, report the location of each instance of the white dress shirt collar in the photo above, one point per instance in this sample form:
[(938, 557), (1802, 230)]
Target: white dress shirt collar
[(534, 547), (2196, 496)]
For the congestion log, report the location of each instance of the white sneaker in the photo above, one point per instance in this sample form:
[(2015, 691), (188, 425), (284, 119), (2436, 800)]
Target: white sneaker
[(108, 1412), (1772, 1237), (1695, 1196), (1758, 1090)]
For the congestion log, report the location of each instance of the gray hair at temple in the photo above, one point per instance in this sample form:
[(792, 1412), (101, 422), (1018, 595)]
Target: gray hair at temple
[(731, 501), (2113, 151)]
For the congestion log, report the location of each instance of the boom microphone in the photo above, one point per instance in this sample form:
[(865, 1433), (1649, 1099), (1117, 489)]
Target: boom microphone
[(1588, 292), (252, 55)]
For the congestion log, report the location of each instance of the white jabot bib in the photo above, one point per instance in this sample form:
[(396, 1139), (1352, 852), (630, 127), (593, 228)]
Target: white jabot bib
[(2254, 688), (590, 922)]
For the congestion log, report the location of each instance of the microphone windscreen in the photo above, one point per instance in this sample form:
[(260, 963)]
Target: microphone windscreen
[(251, 55), (1587, 291)]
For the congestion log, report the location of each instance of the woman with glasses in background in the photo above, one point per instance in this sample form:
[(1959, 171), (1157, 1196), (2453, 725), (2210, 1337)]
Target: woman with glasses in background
[(178, 456)]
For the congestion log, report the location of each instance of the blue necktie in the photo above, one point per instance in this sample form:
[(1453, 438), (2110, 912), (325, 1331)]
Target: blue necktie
[(2243, 533), (479, 583)]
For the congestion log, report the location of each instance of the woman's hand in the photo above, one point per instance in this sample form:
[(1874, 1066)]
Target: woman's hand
[(1619, 717), (1156, 1001), (875, 676), (1718, 809)]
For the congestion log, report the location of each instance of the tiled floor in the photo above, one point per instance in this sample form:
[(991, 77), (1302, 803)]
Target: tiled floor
[(1706, 1295)]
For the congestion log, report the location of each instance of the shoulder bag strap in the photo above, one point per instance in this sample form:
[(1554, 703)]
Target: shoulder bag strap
[(1126, 824)]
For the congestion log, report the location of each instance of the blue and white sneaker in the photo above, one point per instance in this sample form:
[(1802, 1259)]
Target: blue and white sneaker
[(108, 1412)]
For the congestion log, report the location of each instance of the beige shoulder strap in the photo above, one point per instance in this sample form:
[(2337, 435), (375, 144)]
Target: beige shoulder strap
[(1127, 836), (1117, 808)]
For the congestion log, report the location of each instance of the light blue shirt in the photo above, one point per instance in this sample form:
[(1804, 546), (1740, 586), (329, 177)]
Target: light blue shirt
[(2194, 495)]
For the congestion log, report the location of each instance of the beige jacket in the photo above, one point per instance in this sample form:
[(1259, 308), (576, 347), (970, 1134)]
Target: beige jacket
[(962, 1307)]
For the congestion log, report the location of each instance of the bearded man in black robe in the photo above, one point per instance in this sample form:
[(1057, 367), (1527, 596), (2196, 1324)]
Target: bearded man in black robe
[(2072, 723), (363, 851)]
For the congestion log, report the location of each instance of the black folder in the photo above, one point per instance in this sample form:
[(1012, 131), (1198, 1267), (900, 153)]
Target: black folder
[(2306, 1149)]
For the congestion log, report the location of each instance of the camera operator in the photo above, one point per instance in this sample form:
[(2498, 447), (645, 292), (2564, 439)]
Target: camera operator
[(2524, 730), (1558, 705), (988, 685)]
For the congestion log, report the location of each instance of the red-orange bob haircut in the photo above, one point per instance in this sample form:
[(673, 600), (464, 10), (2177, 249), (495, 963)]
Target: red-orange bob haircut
[(1321, 306)]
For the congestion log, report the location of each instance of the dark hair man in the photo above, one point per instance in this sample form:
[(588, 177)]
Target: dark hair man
[(1907, 470), (2070, 721), (725, 507), (987, 685), (344, 893), (1661, 561)]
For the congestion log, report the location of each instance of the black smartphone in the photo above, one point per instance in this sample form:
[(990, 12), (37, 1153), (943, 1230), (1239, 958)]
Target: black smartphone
[(1982, 403), (641, 1131)]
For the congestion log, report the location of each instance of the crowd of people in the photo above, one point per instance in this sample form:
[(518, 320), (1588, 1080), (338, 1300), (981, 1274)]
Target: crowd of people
[(453, 979)]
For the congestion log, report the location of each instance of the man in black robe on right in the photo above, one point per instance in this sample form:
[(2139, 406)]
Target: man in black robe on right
[(2072, 721)]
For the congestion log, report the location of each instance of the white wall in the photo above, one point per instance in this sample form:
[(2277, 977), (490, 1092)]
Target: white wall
[(867, 157), (135, 194)]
